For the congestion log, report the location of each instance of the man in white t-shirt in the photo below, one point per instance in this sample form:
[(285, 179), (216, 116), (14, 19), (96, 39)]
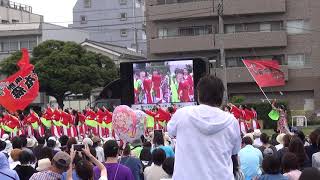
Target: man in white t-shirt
[(206, 136)]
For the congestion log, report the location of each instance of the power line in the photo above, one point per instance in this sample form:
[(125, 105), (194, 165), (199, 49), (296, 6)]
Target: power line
[(128, 17)]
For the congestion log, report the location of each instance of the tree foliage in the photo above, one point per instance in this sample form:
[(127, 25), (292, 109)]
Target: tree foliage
[(66, 68)]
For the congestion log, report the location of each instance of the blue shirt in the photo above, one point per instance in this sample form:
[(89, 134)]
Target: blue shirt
[(250, 161), (168, 150), (74, 176), (273, 177), (134, 165)]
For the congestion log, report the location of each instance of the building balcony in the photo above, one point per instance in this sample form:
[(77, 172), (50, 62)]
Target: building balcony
[(248, 7), (242, 75), (251, 40), (181, 9), (190, 9), (182, 44)]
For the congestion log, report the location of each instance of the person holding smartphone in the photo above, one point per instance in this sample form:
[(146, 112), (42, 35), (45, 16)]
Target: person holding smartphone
[(84, 168)]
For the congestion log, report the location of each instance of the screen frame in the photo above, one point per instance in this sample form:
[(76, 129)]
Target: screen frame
[(200, 67)]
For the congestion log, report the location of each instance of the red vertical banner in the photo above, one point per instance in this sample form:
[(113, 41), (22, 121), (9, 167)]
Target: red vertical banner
[(266, 73), (21, 88)]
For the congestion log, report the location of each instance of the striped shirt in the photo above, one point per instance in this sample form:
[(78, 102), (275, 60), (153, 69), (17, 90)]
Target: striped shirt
[(47, 175)]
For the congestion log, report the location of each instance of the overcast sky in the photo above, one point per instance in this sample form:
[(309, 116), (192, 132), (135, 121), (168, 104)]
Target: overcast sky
[(52, 10)]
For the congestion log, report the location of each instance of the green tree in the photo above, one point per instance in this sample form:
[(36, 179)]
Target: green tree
[(66, 68)]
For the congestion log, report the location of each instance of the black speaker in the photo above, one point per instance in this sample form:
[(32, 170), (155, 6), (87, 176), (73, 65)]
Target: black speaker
[(126, 80)]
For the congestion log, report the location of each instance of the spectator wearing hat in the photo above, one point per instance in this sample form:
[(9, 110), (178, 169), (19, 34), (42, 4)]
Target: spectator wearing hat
[(60, 163), (280, 141), (43, 164), (256, 135), (250, 159), (99, 150), (25, 170), (5, 172), (115, 170)]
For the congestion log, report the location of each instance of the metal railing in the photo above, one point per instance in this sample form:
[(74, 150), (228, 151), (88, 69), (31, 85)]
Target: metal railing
[(15, 5), (161, 2)]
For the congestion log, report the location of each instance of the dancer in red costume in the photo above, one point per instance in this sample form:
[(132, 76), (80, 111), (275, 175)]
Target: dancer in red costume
[(147, 85), (183, 87), (156, 83), (189, 79)]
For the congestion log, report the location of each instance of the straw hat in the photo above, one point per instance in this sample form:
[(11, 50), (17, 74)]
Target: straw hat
[(280, 138), (249, 135), (30, 143), (43, 164), (257, 133)]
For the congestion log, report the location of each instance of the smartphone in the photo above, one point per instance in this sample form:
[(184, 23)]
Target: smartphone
[(78, 147)]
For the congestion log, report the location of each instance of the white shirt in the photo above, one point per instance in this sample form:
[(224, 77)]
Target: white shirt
[(100, 154), (206, 139), (154, 172), (279, 146), (257, 142)]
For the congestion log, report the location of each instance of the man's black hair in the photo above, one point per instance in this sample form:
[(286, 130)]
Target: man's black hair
[(210, 91)]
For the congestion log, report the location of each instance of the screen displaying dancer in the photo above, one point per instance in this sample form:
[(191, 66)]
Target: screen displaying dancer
[(163, 82)]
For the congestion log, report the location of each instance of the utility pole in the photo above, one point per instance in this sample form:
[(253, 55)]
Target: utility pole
[(135, 26), (222, 52)]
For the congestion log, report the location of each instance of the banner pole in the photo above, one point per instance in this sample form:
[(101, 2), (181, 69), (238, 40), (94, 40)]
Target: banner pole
[(257, 84)]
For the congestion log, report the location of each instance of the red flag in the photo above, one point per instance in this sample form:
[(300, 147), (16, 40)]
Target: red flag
[(21, 88), (266, 73)]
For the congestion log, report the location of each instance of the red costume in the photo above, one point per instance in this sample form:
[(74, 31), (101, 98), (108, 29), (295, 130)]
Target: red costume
[(190, 81), (183, 91), (156, 79), (147, 85)]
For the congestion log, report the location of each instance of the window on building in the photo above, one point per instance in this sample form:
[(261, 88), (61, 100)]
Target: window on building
[(253, 27), (122, 2), (297, 26), (163, 33), (296, 60), (195, 30), (83, 19), (15, 21), (87, 3), (5, 46), (123, 33), (32, 44), (4, 22), (265, 27), (230, 28), (232, 62), (14, 45), (123, 16), (24, 44)]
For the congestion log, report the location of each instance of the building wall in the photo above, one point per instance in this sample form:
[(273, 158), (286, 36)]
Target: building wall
[(14, 12), (292, 34), (55, 32), (102, 20)]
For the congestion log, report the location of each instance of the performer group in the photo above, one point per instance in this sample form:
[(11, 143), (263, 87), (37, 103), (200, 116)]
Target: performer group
[(56, 122)]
